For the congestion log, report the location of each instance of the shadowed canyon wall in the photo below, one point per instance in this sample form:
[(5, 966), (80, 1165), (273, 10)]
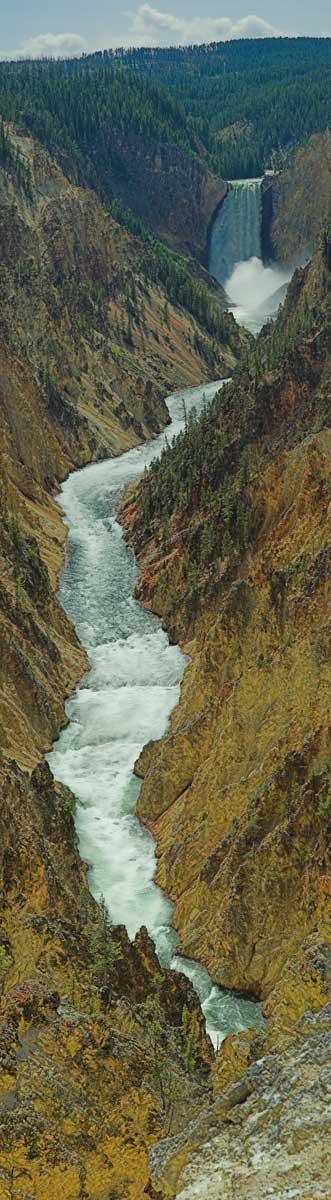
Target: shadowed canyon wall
[(296, 202)]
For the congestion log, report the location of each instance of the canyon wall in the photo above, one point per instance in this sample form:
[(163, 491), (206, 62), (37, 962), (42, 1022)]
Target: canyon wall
[(296, 202), (94, 1036), (233, 538), (175, 194), (88, 350)]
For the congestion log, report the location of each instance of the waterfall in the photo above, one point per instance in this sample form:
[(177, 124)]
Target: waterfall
[(254, 292), (236, 233)]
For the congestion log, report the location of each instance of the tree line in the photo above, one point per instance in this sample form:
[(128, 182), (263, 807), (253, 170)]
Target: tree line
[(239, 105)]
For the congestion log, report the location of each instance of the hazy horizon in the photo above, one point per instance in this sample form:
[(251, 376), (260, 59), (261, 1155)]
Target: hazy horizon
[(75, 29)]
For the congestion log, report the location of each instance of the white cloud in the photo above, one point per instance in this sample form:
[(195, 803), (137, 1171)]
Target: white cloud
[(50, 45), (148, 26), (151, 26)]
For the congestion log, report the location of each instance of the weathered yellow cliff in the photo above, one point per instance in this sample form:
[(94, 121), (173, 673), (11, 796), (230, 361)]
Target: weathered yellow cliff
[(235, 795), (87, 352), (93, 1046), (92, 1042), (238, 794)]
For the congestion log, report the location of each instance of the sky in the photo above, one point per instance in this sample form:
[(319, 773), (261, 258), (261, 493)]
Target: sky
[(73, 26)]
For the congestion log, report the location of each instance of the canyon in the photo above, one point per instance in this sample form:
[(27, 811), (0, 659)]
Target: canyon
[(109, 1085), (237, 794), (88, 351)]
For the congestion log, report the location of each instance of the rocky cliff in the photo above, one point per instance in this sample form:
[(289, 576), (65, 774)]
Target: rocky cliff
[(87, 352), (173, 192), (233, 536), (101, 1051), (296, 202)]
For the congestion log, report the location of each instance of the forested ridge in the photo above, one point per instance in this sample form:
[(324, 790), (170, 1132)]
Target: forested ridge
[(66, 103), (239, 106), (85, 114), (248, 100)]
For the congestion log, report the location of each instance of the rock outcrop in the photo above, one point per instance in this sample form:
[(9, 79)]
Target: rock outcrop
[(267, 1135), (296, 202)]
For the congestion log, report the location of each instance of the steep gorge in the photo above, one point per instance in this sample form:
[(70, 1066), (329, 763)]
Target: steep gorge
[(94, 1037), (88, 351), (92, 1030), (232, 533)]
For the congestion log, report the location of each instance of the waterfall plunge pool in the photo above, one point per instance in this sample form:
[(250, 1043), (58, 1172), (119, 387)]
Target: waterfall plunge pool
[(124, 701), (254, 291)]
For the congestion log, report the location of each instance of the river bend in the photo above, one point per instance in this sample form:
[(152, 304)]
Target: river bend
[(124, 701)]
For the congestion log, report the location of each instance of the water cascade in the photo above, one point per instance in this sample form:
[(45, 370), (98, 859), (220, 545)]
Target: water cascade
[(254, 291), (236, 233), (124, 701)]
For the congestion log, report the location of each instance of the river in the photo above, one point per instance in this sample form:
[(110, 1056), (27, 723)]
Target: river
[(124, 701)]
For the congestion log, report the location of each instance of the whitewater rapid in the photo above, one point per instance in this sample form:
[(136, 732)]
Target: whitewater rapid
[(124, 701)]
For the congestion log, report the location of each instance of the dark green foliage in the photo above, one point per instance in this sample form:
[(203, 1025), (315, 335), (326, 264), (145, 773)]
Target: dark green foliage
[(194, 478), (11, 158), (326, 246), (325, 805), (276, 92), (158, 264), (83, 111), (5, 964), (161, 265), (268, 95), (104, 949)]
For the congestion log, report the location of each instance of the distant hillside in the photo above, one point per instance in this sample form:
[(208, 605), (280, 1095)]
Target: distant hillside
[(266, 94), (158, 130), (122, 135)]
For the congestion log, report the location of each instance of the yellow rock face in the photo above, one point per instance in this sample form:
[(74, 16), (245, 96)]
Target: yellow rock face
[(234, 794), (89, 1127), (78, 1102)]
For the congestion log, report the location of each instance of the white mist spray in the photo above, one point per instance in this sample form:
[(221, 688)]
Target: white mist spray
[(254, 291)]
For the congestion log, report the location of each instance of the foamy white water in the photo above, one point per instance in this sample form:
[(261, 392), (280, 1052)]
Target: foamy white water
[(254, 291), (124, 701)]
